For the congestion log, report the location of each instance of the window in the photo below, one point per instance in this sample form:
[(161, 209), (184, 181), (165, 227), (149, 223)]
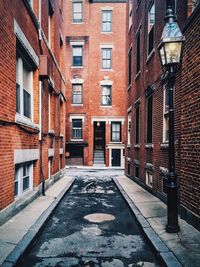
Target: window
[(24, 83), (137, 128), (77, 11), (77, 57), (137, 171), (116, 131), (107, 21), (106, 58), (23, 178), (138, 52), (149, 115), (130, 67), (77, 94), (129, 130), (166, 115), (30, 3), (50, 25), (149, 179), (130, 13), (106, 95), (151, 23), (76, 128)]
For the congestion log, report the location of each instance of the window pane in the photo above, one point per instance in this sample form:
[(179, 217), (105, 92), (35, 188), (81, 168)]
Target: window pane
[(138, 53), (76, 128), (26, 79), (25, 183), (18, 98), (77, 56), (137, 125), (27, 103), (77, 12), (107, 21), (77, 94), (77, 51), (149, 118)]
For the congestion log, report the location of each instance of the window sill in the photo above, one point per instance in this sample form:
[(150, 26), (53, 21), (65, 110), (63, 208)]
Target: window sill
[(129, 87), (25, 121), (150, 55), (105, 106), (115, 142), (77, 105), (75, 23), (106, 32), (76, 140), (128, 146), (149, 146), (137, 146), (164, 145), (107, 70), (137, 75), (76, 67)]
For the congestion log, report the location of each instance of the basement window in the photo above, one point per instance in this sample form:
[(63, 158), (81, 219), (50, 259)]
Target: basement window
[(23, 180)]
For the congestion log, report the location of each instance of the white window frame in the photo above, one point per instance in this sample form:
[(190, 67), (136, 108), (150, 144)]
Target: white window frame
[(107, 59), (77, 139), (149, 178), (103, 22), (73, 11), (19, 81), (130, 14), (19, 177), (150, 27)]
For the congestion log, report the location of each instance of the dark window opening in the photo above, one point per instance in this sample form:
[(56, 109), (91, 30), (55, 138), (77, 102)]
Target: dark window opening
[(149, 118), (130, 67), (137, 128), (138, 52), (137, 171)]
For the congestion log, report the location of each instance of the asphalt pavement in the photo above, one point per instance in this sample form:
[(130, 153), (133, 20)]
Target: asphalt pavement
[(92, 226)]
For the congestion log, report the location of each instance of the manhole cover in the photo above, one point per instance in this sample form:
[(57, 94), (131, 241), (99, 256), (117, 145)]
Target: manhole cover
[(99, 217)]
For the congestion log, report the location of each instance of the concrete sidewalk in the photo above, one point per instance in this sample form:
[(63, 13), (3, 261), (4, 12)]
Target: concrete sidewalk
[(151, 215), (17, 234)]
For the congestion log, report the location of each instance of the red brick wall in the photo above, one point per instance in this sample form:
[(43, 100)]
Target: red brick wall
[(91, 72), (190, 117), (12, 136)]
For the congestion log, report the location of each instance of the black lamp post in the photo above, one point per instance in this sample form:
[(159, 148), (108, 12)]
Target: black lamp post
[(170, 50)]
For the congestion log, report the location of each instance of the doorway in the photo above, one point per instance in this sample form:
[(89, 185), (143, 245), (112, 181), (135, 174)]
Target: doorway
[(116, 157), (99, 135)]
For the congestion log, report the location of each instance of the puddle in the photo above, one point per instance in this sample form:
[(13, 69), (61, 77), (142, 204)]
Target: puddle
[(99, 217)]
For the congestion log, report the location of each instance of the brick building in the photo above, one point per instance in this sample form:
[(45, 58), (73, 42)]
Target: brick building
[(32, 99), (95, 61), (147, 108)]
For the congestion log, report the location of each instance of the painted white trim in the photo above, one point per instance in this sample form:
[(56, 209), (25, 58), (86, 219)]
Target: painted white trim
[(77, 43), (77, 81), (106, 8), (129, 109), (25, 121), (106, 82), (106, 46), (61, 151), (71, 117), (25, 155), (25, 43), (51, 152), (121, 155), (107, 119)]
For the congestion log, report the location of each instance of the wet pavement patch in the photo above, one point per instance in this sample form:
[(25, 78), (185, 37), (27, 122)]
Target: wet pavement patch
[(99, 217), (92, 226)]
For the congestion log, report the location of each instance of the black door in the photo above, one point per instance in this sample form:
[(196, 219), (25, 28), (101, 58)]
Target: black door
[(116, 157)]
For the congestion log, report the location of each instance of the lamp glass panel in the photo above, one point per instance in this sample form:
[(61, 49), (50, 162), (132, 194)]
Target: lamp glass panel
[(162, 56), (173, 52)]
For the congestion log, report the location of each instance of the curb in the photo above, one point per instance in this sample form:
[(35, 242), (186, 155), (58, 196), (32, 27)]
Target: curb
[(168, 259), (28, 239)]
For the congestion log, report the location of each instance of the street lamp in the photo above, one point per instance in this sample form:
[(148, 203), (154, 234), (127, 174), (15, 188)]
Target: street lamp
[(170, 51)]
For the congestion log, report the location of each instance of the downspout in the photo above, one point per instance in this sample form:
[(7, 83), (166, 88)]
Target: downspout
[(41, 121)]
